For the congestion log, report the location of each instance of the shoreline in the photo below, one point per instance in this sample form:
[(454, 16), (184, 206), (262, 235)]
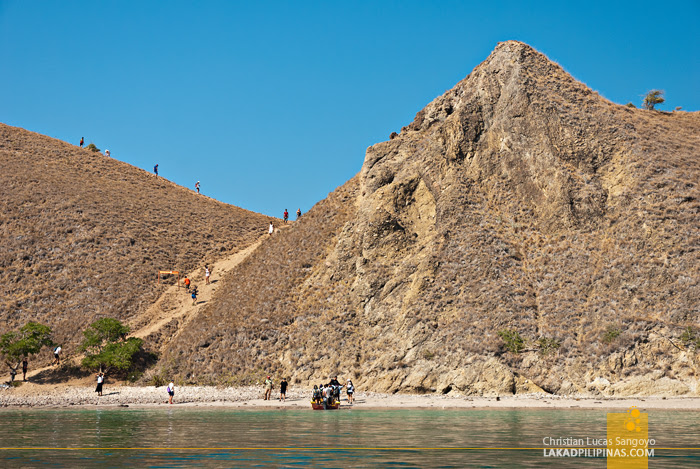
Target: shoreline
[(31, 395)]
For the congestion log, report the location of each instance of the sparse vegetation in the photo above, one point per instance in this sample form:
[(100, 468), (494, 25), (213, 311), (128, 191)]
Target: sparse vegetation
[(90, 233), (92, 147), (512, 340), (106, 346), (28, 341), (631, 105), (652, 98), (611, 333), (690, 338), (547, 345)]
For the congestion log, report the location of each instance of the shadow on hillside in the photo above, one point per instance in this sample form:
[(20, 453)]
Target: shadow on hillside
[(60, 374)]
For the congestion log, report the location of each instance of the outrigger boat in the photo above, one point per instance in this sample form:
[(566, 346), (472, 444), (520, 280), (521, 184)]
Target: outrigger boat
[(316, 405)]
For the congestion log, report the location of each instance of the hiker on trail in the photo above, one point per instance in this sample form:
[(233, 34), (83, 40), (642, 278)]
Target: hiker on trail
[(82, 142), (298, 213), (171, 391), (207, 273), (25, 364), (155, 170), (187, 283), (283, 390), (196, 186), (286, 215), (56, 355), (107, 153), (194, 295), (350, 389), (271, 229), (100, 381), (268, 389)]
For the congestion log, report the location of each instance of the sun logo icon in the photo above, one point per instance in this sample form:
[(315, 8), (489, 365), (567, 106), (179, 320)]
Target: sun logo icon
[(633, 420)]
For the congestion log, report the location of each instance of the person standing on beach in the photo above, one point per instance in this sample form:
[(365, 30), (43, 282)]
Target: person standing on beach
[(271, 229), (171, 391), (207, 273), (283, 390), (25, 365), (196, 186), (57, 355), (100, 381), (155, 170), (268, 389), (350, 389), (82, 142)]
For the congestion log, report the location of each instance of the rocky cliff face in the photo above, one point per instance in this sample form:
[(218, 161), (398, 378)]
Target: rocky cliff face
[(518, 201)]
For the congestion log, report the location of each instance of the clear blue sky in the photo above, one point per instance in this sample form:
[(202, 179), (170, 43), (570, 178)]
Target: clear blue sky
[(271, 105)]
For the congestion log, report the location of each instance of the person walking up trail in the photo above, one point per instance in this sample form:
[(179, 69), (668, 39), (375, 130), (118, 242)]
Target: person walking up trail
[(171, 391), (187, 283), (25, 364), (100, 381), (57, 355), (298, 213), (194, 295), (286, 215), (271, 229), (207, 274), (82, 142), (196, 186), (155, 170)]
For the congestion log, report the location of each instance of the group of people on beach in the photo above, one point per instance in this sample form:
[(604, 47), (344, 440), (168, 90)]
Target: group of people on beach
[(329, 394)]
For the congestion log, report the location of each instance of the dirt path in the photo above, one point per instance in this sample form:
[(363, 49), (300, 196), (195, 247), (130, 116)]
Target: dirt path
[(174, 309), (170, 313)]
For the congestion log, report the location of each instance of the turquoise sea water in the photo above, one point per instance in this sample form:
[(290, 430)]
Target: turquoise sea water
[(226, 437)]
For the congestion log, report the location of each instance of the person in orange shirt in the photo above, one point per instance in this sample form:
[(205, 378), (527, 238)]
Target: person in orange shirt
[(187, 283)]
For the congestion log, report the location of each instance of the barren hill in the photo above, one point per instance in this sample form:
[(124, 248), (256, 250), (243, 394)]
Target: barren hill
[(518, 201), (84, 235)]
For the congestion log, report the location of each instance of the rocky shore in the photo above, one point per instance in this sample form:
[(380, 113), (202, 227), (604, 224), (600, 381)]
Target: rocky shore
[(50, 396)]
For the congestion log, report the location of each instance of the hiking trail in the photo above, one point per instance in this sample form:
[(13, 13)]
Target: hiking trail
[(173, 310)]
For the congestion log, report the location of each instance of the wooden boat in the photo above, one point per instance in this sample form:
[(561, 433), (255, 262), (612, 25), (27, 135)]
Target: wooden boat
[(319, 406)]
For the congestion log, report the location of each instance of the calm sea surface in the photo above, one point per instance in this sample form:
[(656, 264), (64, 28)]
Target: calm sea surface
[(225, 437)]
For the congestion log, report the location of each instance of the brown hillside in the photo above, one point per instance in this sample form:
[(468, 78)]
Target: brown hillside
[(519, 200), (83, 235)]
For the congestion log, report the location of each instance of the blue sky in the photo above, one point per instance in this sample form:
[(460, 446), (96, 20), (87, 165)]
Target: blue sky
[(271, 105)]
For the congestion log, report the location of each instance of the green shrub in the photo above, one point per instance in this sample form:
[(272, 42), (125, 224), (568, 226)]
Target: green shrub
[(611, 333), (512, 340), (547, 345), (690, 338), (631, 105), (93, 147), (652, 98), (107, 347)]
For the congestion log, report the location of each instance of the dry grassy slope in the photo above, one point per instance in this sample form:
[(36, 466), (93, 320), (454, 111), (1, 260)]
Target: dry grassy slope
[(83, 235), (521, 200)]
